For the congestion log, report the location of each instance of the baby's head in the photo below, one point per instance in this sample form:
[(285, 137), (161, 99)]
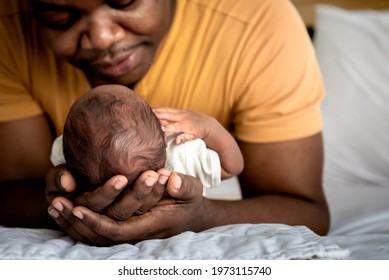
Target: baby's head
[(110, 130)]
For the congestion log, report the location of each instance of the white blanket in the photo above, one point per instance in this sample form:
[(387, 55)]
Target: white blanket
[(245, 241)]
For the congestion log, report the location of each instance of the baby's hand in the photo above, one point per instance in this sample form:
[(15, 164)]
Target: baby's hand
[(187, 124)]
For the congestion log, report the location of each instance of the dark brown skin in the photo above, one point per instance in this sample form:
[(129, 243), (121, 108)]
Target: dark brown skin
[(281, 182), (23, 166), (189, 210), (284, 205)]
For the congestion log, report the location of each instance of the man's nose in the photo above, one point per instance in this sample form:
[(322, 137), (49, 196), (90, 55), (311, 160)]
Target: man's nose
[(102, 31)]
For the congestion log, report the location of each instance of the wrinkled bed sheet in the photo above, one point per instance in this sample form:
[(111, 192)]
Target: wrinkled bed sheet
[(245, 241)]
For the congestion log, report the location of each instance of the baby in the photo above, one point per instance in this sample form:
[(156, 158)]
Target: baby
[(110, 130)]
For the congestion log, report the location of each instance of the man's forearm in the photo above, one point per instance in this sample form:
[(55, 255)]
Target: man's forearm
[(270, 209), (23, 204)]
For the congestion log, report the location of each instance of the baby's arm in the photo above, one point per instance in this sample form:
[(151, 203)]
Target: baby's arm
[(191, 125)]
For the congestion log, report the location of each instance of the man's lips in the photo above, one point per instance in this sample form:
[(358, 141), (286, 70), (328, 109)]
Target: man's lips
[(119, 64), (113, 68)]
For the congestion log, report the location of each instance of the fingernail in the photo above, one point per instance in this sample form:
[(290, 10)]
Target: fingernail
[(79, 215), (163, 179), (150, 181), (65, 182), (58, 206), (178, 182), (62, 181), (120, 184), (54, 213)]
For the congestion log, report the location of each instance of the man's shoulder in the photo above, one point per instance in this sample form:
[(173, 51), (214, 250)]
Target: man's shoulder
[(242, 10)]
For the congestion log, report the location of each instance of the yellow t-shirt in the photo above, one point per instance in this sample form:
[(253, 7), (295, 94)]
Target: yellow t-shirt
[(248, 63)]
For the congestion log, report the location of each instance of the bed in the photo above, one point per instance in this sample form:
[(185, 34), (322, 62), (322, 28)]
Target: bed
[(351, 39)]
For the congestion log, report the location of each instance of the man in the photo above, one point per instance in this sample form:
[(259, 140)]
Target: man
[(248, 63)]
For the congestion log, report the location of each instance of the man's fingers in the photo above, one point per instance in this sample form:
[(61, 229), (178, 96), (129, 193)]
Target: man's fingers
[(129, 203), (169, 216), (58, 181), (97, 228), (98, 199), (184, 187), (101, 223), (144, 194), (106, 231), (61, 212), (157, 192)]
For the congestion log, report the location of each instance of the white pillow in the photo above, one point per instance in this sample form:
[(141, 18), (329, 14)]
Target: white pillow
[(353, 52)]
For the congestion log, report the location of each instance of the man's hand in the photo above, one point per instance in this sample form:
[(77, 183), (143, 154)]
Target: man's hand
[(281, 184), (60, 182), (180, 207)]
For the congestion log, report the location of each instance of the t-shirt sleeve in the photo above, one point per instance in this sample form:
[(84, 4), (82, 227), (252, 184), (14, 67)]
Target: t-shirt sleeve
[(16, 101), (278, 79)]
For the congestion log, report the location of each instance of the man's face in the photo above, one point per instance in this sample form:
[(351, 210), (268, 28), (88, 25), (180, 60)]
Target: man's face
[(113, 41)]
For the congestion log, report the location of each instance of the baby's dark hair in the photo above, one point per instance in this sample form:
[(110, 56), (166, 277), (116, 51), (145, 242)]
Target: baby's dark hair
[(110, 130)]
